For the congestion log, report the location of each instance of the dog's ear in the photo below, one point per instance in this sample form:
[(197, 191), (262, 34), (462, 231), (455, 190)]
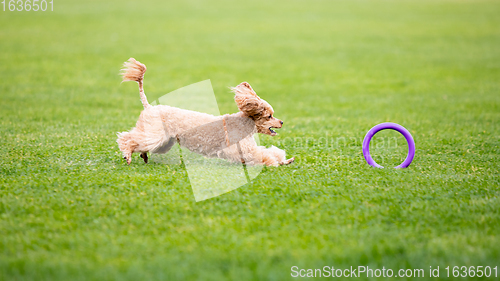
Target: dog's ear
[(246, 85), (244, 88), (249, 105), (247, 100)]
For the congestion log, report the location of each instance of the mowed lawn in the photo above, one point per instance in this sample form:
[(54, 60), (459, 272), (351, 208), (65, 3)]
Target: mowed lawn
[(71, 209)]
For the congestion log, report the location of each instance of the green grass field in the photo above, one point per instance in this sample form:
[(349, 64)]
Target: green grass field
[(71, 209)]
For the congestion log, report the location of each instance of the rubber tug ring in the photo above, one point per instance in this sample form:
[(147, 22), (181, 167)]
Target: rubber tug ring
[(392, 126)]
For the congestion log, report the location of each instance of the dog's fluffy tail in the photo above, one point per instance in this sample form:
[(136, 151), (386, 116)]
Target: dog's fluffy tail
[(134, 71)]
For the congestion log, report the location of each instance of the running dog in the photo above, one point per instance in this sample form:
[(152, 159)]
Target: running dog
[(228, 137)]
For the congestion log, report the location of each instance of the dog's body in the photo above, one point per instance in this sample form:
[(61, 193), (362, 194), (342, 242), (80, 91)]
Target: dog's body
[(229, 137)]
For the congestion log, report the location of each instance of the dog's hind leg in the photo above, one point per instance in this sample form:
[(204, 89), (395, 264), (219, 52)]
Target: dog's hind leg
[(127, 155), (161, 148), (165, 146), (127, 145)]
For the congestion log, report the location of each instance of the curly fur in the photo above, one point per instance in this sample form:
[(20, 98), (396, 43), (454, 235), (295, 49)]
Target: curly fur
[(228, 137)]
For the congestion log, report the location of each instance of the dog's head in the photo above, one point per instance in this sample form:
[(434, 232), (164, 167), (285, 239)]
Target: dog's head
[(256, 108)]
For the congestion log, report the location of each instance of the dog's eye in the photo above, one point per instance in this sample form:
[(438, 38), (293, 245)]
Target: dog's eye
[(270, 116)]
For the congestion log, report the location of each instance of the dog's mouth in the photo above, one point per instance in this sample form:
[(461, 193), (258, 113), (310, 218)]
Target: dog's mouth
[(272, 132)]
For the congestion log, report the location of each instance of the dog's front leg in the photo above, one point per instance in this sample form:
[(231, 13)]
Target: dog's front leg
[(248, 152), (274, 156)]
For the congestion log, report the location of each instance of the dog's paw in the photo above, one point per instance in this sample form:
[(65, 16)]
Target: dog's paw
[(289, 161), (144, 156), (129, 159)]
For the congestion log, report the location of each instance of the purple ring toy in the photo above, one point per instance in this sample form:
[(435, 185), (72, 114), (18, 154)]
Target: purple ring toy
[(392, 126)]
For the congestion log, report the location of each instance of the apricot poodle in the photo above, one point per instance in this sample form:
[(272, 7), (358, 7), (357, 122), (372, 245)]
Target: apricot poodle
[(228, 137)]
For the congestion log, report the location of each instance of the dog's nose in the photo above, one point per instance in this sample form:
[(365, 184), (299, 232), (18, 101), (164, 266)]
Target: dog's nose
[(281, 122)]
